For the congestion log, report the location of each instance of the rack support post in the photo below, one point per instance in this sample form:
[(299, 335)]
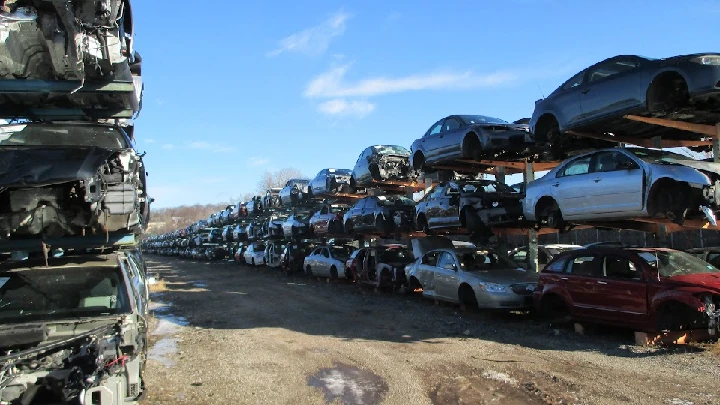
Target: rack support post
[(502, 241), (528, 176), (716, 144)]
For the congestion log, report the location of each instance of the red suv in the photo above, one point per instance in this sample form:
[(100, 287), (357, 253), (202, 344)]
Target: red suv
[(648, 289)]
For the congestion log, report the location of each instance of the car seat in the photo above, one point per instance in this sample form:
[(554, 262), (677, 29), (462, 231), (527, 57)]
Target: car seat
[(103, 295)]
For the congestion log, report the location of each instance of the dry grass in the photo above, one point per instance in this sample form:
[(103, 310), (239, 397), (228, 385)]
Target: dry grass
[(715, 348), (159, 286)]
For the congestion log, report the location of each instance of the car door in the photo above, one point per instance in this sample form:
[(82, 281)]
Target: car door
[(621, 291), (368, 212), (446, 277), (612, 86), (318, 183), (432, 143), (583, 272), (355, 213), (619, 183), (572, 186), (566, 101), (426, 272), (450, 138), (451, 206), (323, 263), (433, 209)]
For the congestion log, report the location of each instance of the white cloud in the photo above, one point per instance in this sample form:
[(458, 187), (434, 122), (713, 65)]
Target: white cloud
[(332, 84), (168, 146), (314, 40), (256, 161), (340, 106), (149, 140)]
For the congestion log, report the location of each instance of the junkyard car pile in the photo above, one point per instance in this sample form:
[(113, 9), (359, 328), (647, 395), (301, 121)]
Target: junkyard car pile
[(73, 199), (366, 225)]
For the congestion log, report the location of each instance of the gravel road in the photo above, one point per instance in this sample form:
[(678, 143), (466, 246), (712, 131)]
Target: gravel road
[(229, 334)]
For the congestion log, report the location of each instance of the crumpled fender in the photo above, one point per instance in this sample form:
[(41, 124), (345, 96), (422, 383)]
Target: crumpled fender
[(38, 166)]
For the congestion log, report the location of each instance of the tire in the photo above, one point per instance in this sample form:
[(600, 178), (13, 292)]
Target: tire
[(310, 194), (445, 175), (253, 261), (333, 273), (554, 310), (554, 218), (308, 271), (467, 297), (349, 228), (424, 226), (419, 162), (412, 285), (381, 225)]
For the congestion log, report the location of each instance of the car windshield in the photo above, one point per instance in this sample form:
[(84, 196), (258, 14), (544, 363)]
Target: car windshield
[(675, 263), (62, 135), (482, 119), (342, 172), (61, 293), (657, 156), (302, 216), (394, 200), (336, 209), (341, 252), (481, 260), (391, 150), (393, 255), (299, 182)]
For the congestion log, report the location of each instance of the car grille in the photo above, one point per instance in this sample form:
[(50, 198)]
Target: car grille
[(521, 289)]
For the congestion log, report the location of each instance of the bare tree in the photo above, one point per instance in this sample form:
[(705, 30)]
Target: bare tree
[(277, 178)]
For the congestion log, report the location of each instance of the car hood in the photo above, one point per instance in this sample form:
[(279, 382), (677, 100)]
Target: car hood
[(42, 166), (710, 281), (503, 276), (710, 167)]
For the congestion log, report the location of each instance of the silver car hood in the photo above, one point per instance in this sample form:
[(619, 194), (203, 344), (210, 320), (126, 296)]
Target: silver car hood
[(503, 276)]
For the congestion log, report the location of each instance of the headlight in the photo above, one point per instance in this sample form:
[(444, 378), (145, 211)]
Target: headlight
[(492, 287), (713, 60)]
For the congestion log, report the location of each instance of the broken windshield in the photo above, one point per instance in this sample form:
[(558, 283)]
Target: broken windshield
[(34, 134), (675, 263), (41, 294), (391, 150)]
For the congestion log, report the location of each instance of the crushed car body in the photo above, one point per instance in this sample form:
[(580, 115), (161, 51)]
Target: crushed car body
[(61, 179), (73, 332), (381, 163)]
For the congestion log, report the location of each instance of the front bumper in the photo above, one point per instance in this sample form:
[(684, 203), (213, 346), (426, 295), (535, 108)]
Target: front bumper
[(503, 300)]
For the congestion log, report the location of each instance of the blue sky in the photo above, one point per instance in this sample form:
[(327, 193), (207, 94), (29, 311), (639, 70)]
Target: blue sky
[(235, 88)]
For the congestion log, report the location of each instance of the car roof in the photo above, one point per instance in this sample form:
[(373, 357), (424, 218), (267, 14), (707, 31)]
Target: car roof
[(72, 261)]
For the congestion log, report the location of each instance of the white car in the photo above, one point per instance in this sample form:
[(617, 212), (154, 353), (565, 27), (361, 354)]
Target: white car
[(327, 261), (255, 254)]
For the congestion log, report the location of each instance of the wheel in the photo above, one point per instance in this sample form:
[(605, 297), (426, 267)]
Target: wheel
[(419, 162), (413, 286), (554, 218), (253, 261), (381, 225), (467, 297), (310, 194), (333, 273), (554, 310), (445, 175), (334, 227), (349, 226), (308, 271), (424, 226)]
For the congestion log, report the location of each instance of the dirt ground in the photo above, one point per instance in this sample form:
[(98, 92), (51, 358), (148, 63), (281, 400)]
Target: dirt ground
[(229, 334)]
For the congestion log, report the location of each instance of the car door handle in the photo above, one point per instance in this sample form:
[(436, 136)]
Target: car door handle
[(586, 91), (597, 180), (602, 282), (556, 185)]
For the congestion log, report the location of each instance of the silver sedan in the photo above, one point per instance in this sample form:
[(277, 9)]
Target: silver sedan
[(327, 261), (472, 277), (624, 183)]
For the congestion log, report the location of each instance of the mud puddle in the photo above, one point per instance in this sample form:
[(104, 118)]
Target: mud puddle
[(350, 385)]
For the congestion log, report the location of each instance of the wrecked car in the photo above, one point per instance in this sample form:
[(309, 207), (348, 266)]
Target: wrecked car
[(380, 266), (473, 205), (472, 277), (72, 332), (294, 192), (381, 163), (597, 99), (466, 137), (297, 224), (83, 43), (383, 214), (624, 183), (646, 289), (329, 181), (70, 178), (329, 219), (327, 261)]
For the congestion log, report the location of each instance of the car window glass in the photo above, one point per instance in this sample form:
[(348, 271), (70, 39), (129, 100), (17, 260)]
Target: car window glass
[(611, 68), (574, 81), (431, 258), (612, 161), (577, 167), (370, 204), (435, 128), (452, 189), (714, 259), (583, 266), (451, 124), (519, 256), (325, 253), (620, 267), (360, 205), (557, 266), (445, 258), (324, 210)]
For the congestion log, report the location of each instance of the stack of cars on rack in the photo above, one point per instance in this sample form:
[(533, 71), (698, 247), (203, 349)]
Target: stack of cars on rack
[(396, 219), (74, 317)]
